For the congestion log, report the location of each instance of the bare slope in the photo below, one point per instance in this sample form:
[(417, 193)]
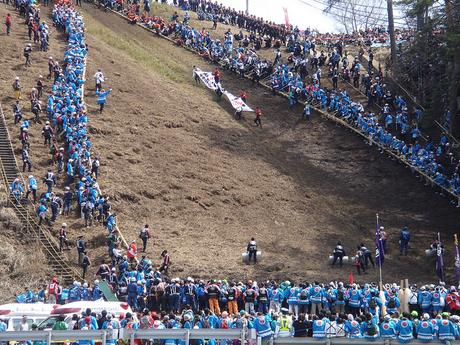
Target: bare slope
[(176, 159), (296, 187)]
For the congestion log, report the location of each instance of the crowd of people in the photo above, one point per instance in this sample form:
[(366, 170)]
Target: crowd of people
[(271, 34), (270, 309), (387, 119), (267, 309)]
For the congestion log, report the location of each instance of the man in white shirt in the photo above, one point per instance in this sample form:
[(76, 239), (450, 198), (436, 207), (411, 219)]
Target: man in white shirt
[(99, 78)]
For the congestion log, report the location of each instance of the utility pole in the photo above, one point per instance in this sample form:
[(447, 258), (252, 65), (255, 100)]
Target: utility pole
[(391, 30), (247, 7)]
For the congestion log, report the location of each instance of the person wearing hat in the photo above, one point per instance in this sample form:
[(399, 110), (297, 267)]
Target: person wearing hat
[(53, 291), (144, 235), (39, 86), (404, 238), (102, 98), (50, 67), (17, 88), (387, 328), (32, 188), (263, 329), (285, 324), (99, 79), (213, 292), (26, 162), (453, 301), (17, 108), (81, 248), (27, 52), (67, 198), (447, 331), (404, 328), (132, 291), (16, 189), (47, 133), (85, 263), (63, 238), (60, 324), (132, 251), (424, 299)]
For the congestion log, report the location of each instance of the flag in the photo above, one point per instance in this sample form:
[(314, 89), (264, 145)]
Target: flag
[(286, 16), (439, 260), (350, 278), (379, 251), (457, 259)]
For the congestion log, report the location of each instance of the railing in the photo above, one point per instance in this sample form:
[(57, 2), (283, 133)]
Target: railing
[(74, 335), (186, 335), (345, 341), (49, 242)]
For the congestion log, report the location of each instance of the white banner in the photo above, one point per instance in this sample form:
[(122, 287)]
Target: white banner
[(237, 102), (207, 78)]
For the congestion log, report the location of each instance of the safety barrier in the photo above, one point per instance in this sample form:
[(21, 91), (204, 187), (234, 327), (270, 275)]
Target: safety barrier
[(186, 335), (144, 334), (344, 341)]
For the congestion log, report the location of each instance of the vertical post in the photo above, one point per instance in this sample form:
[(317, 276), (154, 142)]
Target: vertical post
[(187, 338), (49, 338), (247, 6), (391, 30), (131, 341), (104, 337), (259, 341)]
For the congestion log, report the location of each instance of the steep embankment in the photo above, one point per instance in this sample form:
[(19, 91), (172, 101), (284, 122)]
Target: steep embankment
[(297, 187), (174, 158)]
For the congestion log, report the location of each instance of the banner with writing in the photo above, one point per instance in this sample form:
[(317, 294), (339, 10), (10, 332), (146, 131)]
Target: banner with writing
[(207, 78), (237, 102)]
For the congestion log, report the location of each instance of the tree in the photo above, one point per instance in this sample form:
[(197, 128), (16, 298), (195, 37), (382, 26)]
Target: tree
[(355, 15)]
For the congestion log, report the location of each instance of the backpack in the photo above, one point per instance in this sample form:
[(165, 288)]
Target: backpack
[(372, 303), (143, 233), (371, 329), (391, 303), (340, 296)]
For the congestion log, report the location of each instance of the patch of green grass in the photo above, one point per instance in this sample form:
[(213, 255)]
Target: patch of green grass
[(164, 67)]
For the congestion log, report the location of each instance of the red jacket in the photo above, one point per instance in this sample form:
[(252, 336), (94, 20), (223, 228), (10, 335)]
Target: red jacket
[(453, 301), (8, 21)]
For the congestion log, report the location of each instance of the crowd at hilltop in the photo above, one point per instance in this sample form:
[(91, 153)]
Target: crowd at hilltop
[(277, 34)]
